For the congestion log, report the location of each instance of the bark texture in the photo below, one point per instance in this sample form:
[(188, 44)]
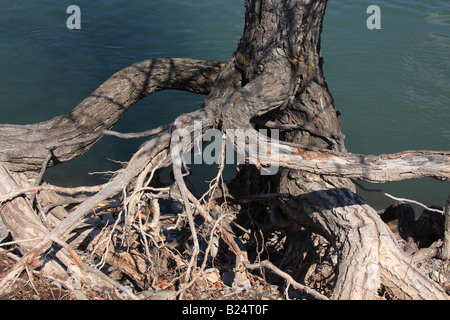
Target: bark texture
[(282, 69), (273, 80), (25, 147), (324, 204)]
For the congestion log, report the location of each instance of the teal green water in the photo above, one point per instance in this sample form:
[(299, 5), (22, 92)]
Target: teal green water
[(391, 85)]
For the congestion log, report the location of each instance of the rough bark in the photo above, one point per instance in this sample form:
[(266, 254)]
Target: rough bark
[(284, 72), (274, 79), (445, 251), (18, 215), (68, 136), (25, 147)]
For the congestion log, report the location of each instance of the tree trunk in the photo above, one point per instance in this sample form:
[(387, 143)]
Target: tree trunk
[(445, 251), (274, 80), (282, 70)]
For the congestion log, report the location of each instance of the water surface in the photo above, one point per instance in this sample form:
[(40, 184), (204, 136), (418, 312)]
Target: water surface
[(391, 85)]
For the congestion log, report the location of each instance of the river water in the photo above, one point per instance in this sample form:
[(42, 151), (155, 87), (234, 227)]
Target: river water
[(390, 84)]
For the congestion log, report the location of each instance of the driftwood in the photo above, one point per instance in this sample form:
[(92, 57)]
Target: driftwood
[(273, 80)]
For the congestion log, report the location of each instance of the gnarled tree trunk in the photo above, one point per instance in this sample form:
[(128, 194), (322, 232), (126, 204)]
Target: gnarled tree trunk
[(275, 80)]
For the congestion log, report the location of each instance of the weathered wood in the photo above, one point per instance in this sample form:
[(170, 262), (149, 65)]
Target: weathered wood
[(75, 132), (25, 147), (279, 62), (369, 255), (302, 288), (275, 75), (375, 169), (18, 214)]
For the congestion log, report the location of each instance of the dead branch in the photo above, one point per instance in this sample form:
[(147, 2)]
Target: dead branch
[(248, 87), (75, 190), (376, 169), (402, 200), (176, 153), (68, 136), (111, 281), (304, 289), (135, 135)]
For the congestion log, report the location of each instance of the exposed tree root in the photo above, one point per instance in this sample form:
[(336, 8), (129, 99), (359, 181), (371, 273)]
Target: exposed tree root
[(138, 230)]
